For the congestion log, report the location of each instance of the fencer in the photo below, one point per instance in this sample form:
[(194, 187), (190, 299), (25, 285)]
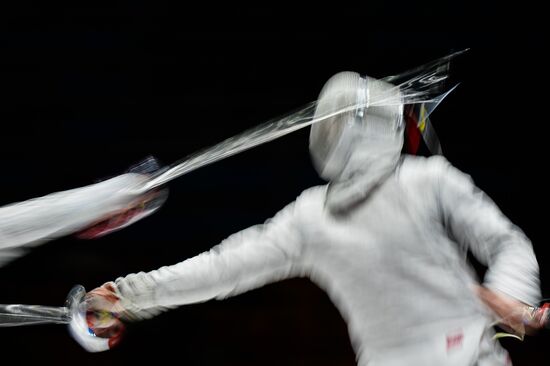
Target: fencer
[(387, 239)]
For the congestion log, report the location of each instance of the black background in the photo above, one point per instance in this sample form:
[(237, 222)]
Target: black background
[(89, 91)]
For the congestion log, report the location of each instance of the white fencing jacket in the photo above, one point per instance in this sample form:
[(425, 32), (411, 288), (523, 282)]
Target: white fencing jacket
[(394, 265)]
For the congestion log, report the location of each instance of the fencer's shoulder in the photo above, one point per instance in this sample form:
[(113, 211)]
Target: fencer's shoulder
[(422, 166), (307, 203), (312, 195), (435, 172)]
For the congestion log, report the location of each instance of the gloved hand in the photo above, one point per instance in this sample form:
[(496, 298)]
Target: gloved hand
[(135, 209), (513, 315), (104, 312), (141, 207)]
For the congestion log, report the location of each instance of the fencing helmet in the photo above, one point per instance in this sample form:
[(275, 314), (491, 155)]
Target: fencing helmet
[(359, 137)]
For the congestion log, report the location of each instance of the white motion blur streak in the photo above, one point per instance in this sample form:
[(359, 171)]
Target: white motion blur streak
[(425, 84)]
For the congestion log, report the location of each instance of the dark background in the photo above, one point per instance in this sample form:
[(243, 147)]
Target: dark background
[(87, 92)]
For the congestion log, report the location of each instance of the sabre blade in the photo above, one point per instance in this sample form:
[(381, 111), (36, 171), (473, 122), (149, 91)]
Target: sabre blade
[(15, 315), (425, 84)]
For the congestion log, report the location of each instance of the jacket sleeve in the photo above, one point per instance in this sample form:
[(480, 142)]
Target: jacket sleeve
[(244, 261), (36, 221), (476, 223)]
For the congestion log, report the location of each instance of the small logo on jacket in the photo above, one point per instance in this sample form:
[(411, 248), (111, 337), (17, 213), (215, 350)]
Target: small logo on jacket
[(454, 340)]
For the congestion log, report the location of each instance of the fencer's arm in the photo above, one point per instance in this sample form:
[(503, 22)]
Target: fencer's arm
[(38, 220), (475, 222), (246, 260)]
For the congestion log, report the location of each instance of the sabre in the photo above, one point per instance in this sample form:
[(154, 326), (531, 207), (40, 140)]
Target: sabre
[(73, 314), (422, 85), (17, 315)]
